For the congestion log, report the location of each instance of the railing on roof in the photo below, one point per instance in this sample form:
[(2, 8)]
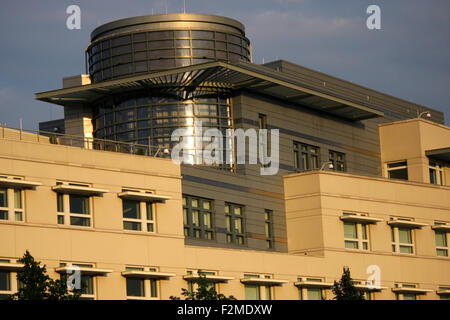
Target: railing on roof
[(81, 142)]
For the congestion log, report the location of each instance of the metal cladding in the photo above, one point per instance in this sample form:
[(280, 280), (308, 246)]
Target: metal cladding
[(158, 42)]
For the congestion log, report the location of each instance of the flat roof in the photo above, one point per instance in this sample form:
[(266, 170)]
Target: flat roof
[(109, 27), (227, 77)]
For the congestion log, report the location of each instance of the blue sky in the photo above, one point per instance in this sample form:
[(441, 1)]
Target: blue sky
[(409, 58)]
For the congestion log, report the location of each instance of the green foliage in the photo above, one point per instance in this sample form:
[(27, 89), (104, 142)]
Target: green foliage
[(35, 284), (345, 289), (204, 291)]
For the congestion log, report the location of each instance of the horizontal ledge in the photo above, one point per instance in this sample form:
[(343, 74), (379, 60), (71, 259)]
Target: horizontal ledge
[(210, 278), (439, 227), (405, 223), (18, 183), (443, 292), (84, 270), (146, 274), (6, 266), (366, 287), (411, 290), (360, 219), (313, 284), (142, 196), (80, 190), (262, 281)]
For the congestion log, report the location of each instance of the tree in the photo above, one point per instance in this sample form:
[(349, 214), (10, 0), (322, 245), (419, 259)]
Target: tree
[(204, 291), (345, 289), (35, 284)]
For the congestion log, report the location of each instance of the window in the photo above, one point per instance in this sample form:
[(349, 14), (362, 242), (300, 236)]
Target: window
[(441, 243), (197, 217), (255, 291), (306, 157), (191, 284), (397, 170), (338, 160), (73, 209), (11, 204), (436, 173), (444, 296), (406, 295), (311, 293), (5, 282), (402, 240), (138, 215), (268, 216), (235, 223), (356, 235), (141, 287), (86, 281)]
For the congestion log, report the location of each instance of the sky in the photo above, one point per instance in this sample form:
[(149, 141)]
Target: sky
[(408, 58)]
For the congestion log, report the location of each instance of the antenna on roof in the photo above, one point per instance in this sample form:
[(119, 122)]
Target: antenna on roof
[(184, 2), (165, 2)]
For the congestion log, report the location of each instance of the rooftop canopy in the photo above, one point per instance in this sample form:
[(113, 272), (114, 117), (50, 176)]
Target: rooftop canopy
[(222, 76)]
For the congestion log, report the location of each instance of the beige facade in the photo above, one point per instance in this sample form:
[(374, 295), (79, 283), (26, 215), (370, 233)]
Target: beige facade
[(326, 213)]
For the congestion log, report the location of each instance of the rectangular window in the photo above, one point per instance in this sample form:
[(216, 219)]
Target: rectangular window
[(257, 292), (73, 209), (441, 244), (138, 215), (234, 216), (11, 204), (436, 173), (314, 294), (135, 287), (5, 281), (192, 285), (140, 287), (337, 159), (398, 170), (268, 216), (79, 204), (356, 236), (402, 240), (197, 217), (306, 157)]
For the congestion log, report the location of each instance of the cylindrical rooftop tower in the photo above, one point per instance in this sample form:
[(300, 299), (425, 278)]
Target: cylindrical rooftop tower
[(156, 42)]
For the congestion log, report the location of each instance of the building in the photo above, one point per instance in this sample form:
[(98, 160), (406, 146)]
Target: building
[(53, 126), (280, 236)]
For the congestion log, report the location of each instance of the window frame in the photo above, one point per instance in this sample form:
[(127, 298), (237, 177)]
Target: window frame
[(146, 221), (397, 165), (233, 237), (264, 292), (64, 218), (268, 228), (10, 208), (442, 248), (205, 232), (437, 168), (303, 149), (334, 159), (151, 287), (397, 245), (362, 238)]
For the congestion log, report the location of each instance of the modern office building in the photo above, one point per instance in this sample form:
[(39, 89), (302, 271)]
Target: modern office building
[(141, 226)]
